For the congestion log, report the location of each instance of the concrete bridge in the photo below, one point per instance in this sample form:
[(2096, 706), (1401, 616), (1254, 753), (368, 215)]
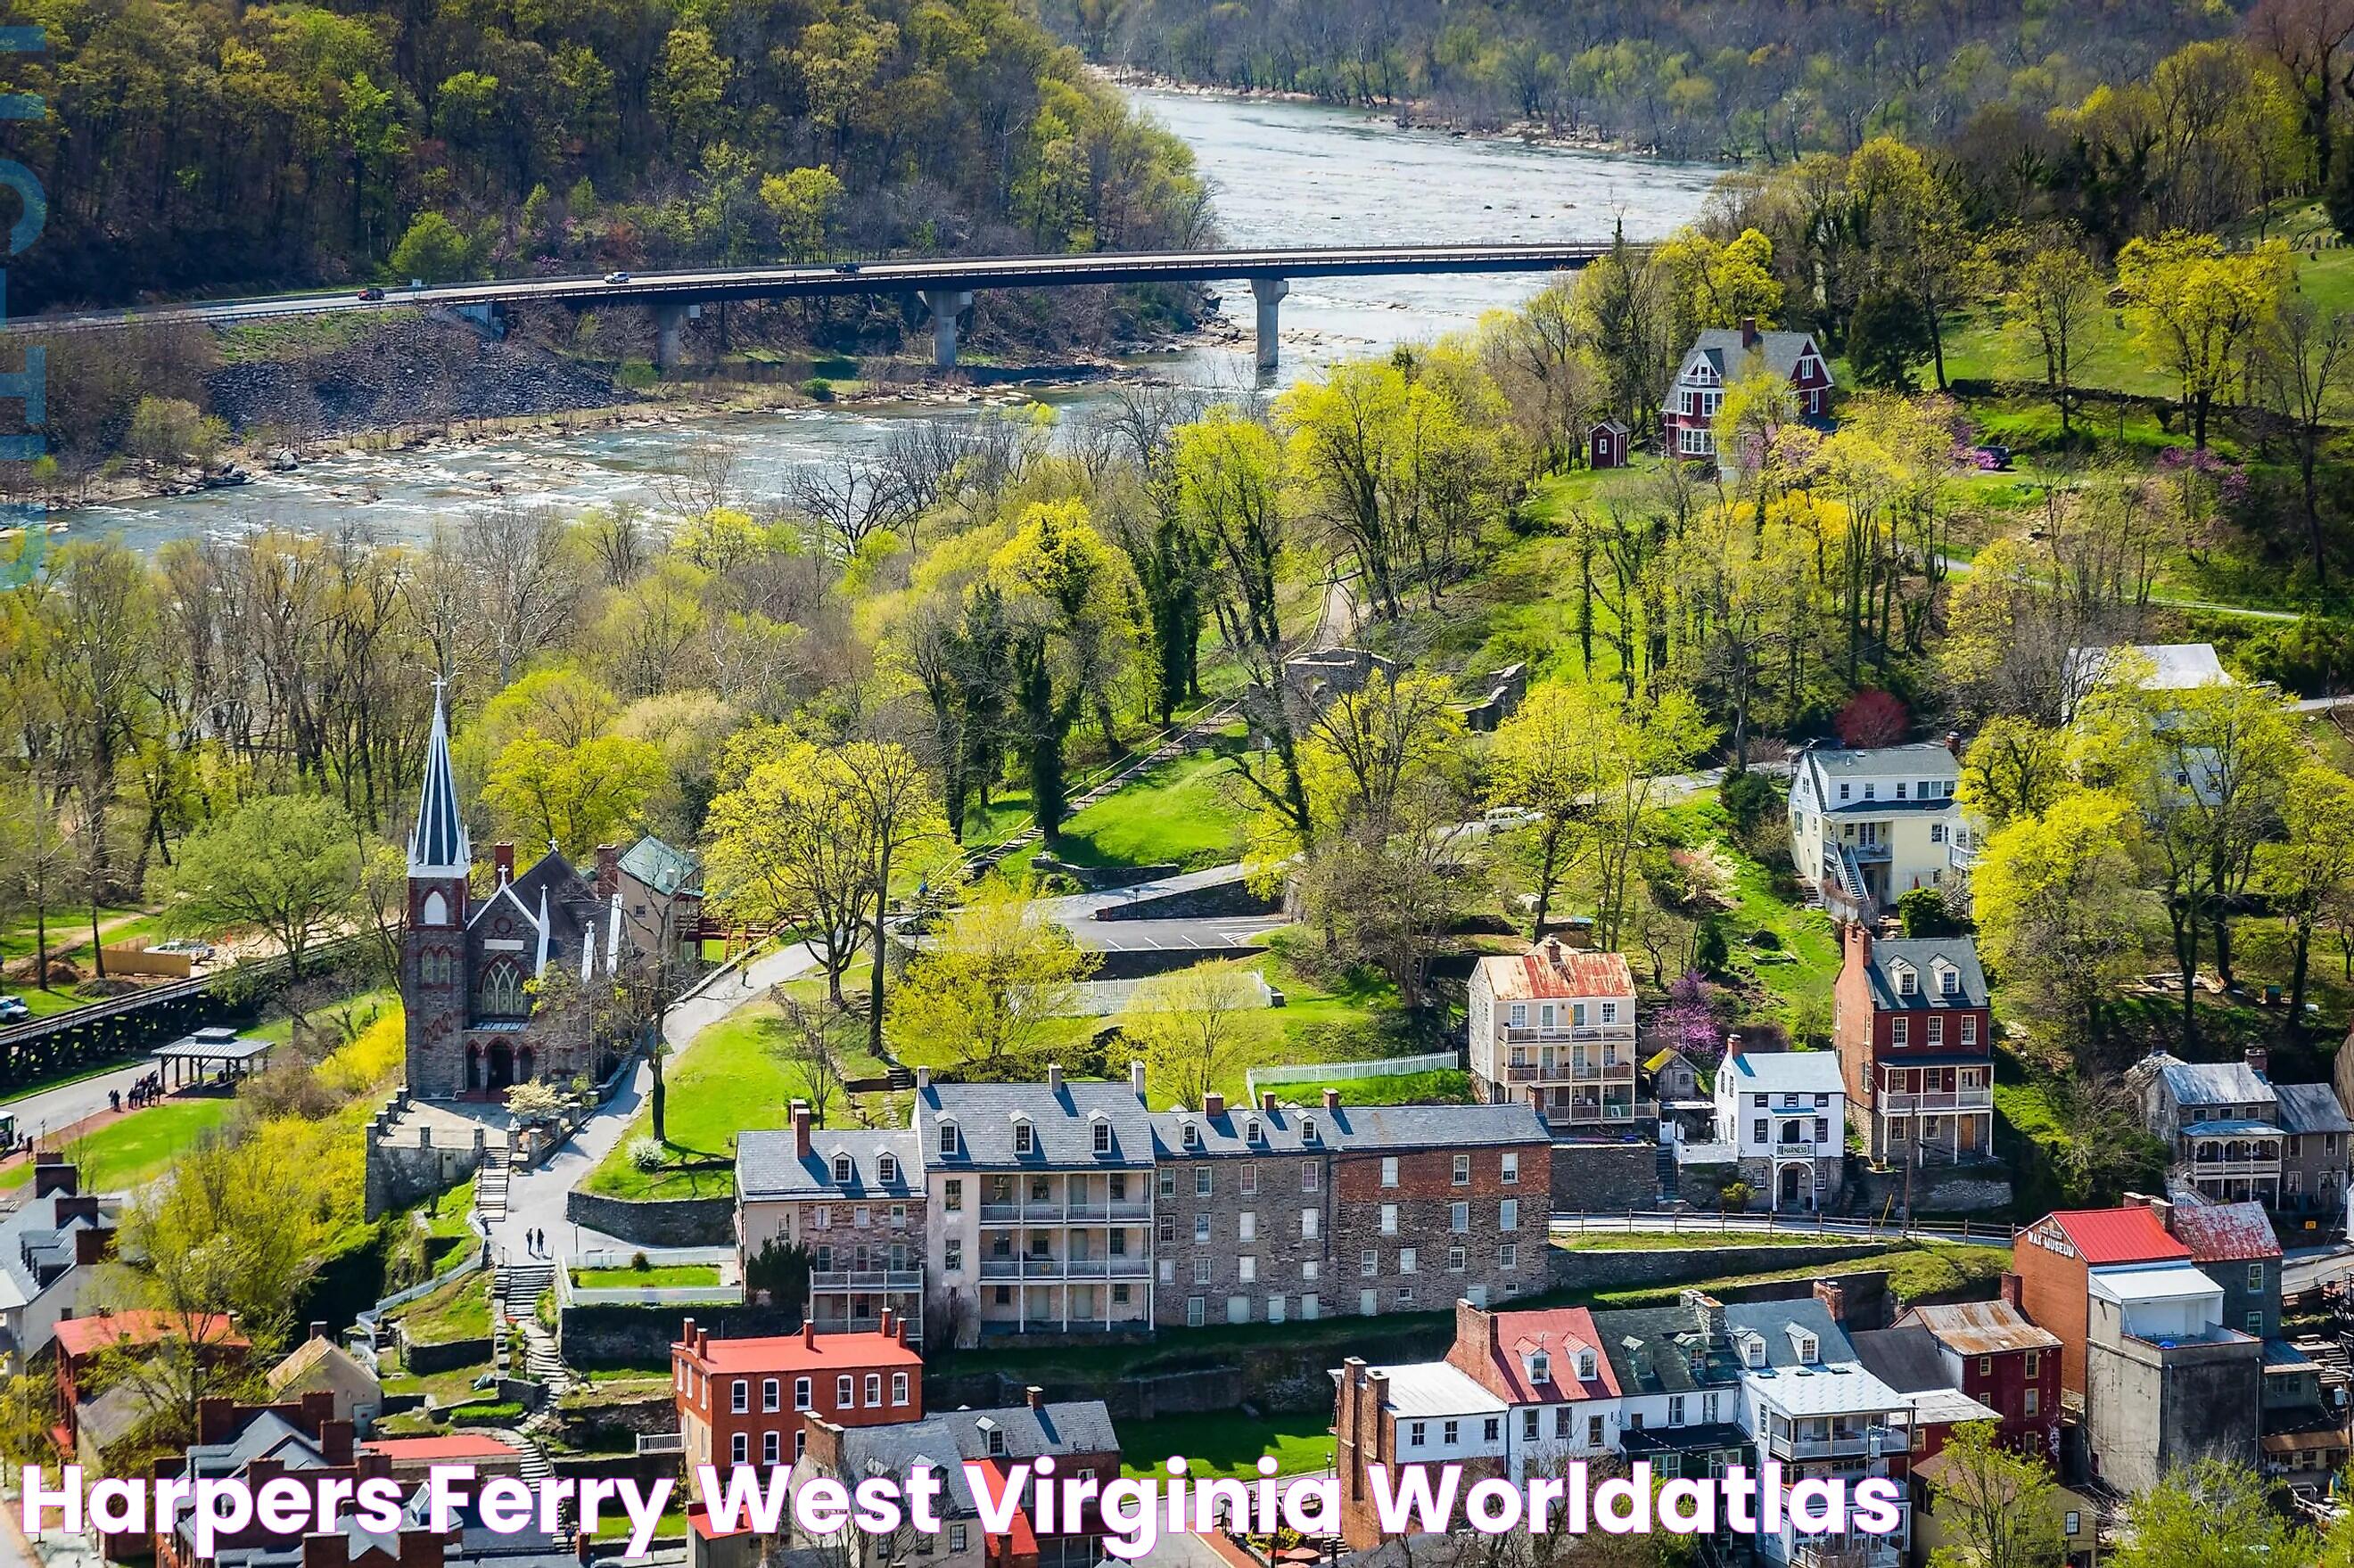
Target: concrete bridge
[(945, 286)]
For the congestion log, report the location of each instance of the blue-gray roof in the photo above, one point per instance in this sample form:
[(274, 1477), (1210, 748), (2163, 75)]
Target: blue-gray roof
[(1062, 1120), (767, 1167), (439, 841), (1925, 954), (1348, 1129), (947, 1439), (2213, 1083), (2311, 1109)]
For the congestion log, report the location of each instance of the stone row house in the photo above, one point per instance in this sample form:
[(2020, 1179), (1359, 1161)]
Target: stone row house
[(1068, 1207), (2234, 1136)]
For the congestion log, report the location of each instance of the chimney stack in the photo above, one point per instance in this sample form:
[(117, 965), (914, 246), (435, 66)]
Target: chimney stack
[(2259, 1060), (923, 1078), (1034, 1396), (899, 1331), (319, 1329), (1332, 1100), (1749, 331), (1733, 1046), (608, 870), (1213, 1105), (1053, 1077), (2011, 1290), (1136, 1077), (1833, 1295), (808, 1335), (502, 865), (686, 1333), (887, 1316), (1267, 1101), (800, 1129), (53, 1172)]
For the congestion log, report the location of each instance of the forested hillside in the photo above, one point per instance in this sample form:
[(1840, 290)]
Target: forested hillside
[(1709, 78), (197, 148)]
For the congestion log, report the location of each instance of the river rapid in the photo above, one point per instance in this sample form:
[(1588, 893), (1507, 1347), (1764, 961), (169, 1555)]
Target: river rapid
[(1283, 173)]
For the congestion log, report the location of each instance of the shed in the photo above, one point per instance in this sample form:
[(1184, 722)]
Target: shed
[(1606, 443)]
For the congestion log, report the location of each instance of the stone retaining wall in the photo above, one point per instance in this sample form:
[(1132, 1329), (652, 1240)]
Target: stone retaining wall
[(1949, 1190), (1606, 1178), (643, 1336), (656, 1222), (1634, 1268)]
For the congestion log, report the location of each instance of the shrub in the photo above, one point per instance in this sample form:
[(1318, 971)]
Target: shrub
[(646, 1154), (817, 390)]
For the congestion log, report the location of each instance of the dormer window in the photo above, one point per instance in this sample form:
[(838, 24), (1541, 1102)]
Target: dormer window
[(841, 1169), (1025, 1137), (1949, 982), (1809, 1349), (1193, 1136), (1907, 983), (887, 1168), (1586, 1366), (1308, 1129), (948, 1138), (1254, 1132), (1103, 1135)]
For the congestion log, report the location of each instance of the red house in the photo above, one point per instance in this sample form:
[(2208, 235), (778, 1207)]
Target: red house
[(2005, 1362), (1915, 1043), (1721, 356), (2055, 1257), (743, 1402)]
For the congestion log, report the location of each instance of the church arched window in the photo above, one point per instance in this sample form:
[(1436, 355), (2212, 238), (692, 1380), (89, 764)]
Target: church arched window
[(500, 992), (436, 911)]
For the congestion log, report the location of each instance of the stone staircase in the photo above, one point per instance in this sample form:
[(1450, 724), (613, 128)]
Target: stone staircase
[(1666, 1169), (516, 1294), (490, 1192)]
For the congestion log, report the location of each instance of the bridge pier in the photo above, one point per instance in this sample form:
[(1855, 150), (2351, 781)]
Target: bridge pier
[(946, 306), (1270, 293), (669, 323)]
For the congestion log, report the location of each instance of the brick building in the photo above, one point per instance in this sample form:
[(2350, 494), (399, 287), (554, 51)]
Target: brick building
[(2055, 1257), (1916, 1042), (746, 1402), (855, 1199), (1277, 1211), (1991, 1352)]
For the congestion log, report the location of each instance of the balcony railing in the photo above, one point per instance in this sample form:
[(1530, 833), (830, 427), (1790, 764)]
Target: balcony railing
[(849, 1325), (2267, 1167), (1899, 1103), (1520, 1033), (1847, 1444), (1569, 1072), (866, 1279), (1058, 1213), (1052, 1269), (1869, 854)]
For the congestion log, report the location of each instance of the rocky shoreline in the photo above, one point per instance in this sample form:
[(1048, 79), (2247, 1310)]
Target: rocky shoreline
[(1414, 115)]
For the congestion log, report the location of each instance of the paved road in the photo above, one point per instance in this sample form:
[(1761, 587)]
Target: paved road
[(69, 1103), (874, 278), (2304, 1267), (1836, 1228)]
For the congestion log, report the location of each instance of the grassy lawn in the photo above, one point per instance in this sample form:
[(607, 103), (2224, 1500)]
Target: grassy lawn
[(667, 1276), (458, 1310), (442, 1388), (1444, 1087), (135, 1151), (614, 1525), (1183, 812), (730, 1080), (1683, 1241), (1796, 971), (1228, 1443), (354, 1013), (1915, 1272)]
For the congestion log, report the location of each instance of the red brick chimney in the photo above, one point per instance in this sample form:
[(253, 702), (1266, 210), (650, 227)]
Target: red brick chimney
[(800, 1129), (1833, 1295), (900, 1334), (2011, 1291), (1332, 1100), (608, 870), (808, 1335), (887, 1316), (2259, 1060), (53, 1172), (1035, 1397), (1213, 1105), (1267, 1101), (502, 864), (1733, 1046), (686, 1333), (1749, 331)]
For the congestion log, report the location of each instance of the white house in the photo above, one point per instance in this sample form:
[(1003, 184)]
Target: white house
[(1868, 827), (1808, 1403), (1782, 1117)]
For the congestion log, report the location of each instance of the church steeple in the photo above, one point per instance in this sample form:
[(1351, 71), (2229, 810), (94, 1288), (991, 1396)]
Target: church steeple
[(439, 845)]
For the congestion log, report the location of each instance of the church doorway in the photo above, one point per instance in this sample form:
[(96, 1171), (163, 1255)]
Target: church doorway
[(473, 1069), (501, 1075)]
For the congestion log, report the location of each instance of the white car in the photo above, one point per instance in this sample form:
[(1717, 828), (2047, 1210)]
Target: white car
[(617, 277)]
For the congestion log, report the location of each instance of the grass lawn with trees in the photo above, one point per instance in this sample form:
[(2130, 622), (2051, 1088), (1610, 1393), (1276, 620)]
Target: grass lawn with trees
[(458, 1310), (1184, 811), (126, 1153)]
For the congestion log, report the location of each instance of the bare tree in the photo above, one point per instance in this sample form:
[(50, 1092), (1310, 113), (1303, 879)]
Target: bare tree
[(847, 500), (2309, 355), (807, 1047), (702, 480), (523, 592)]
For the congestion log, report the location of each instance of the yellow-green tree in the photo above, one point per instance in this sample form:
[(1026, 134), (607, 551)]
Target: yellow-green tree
[(2310, 874), (990, 983), (286, 865), (2210, 1514), (1194, 1028), (2056, 301), (2196, 307), (1995, 1509), (2060, 910), (2014, 767), (572, 797)]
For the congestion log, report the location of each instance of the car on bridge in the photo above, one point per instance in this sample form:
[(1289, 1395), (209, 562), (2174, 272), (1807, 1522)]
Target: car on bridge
[(848, 268), (370, 294), (14, 1010), (617, 277)]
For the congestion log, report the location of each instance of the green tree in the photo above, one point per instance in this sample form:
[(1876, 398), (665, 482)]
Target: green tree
[(801, 203), (2210, 1514), (990, 984), (2197, 308), (431, 250), (173, 431), (2057, 300), (2013, 768), (1995, 1509), (2058, 909), (287, 865), (2311, 870), (573, 798), (690, 89), (1195, 1027)]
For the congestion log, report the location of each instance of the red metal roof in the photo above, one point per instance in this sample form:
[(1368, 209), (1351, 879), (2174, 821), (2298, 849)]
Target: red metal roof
[(2118, 1236), (2226, 1233), (81, 1337), (1560, 1333), (792, 1353), (1555, 969)]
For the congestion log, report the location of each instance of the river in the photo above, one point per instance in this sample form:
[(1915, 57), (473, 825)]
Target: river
[(1282, 174)]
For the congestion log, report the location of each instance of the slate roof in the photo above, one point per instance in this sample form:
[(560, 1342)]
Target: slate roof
[(439, 841), (1924, 954), (1778, 350), (661, 867), (1062, 1120), (2173, 666), (1773, 1321), (2116, 1235), (1906, 1359), (2226, 1233), (1915, 760), (947, 1439), (37, 1248), (767, 1167), (2311, 1109), (1666, 1342), (1782, 1072), (1348, 1129)]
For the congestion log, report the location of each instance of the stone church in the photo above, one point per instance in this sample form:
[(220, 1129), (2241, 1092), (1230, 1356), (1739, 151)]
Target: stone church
[(468, 963)]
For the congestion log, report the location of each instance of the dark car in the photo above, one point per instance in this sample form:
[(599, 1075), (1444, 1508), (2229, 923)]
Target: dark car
[(371, 293), (846, 267)]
